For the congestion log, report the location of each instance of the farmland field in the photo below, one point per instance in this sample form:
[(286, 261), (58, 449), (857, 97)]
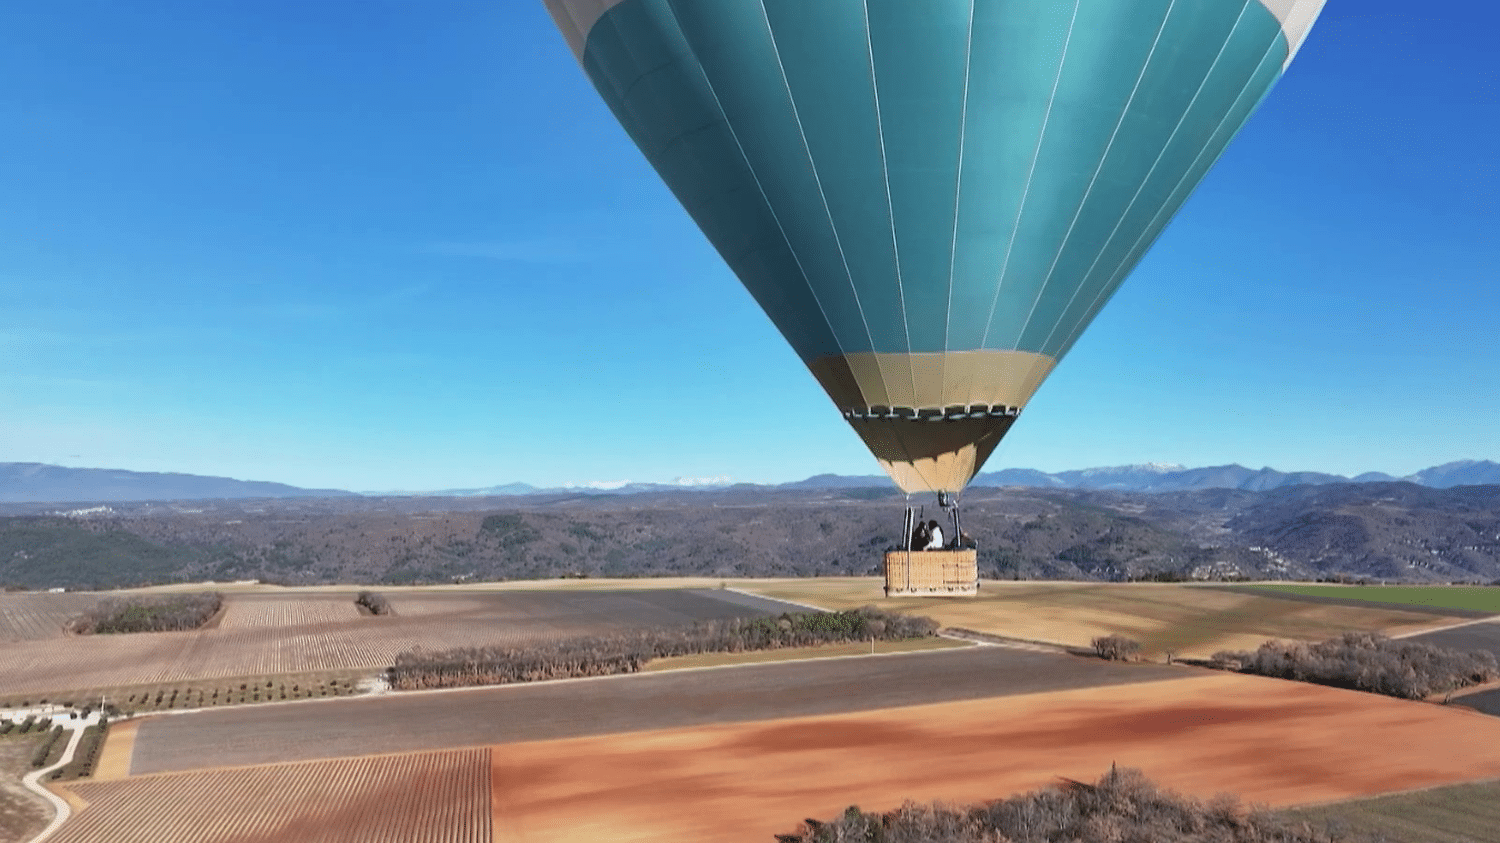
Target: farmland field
[(250, 642), (1187, 620), (33, 617), (1272, 742), (22, 814), (1476, 598), (253, 612), (1461, 813), (1471, 636), (427, 721), (440, 797)]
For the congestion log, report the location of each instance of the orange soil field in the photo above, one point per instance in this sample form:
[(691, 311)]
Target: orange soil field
[(1268, 741), (437, 797), (248, 641)]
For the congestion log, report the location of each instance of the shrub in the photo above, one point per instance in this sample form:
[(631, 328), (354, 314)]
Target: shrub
[(1117, 648), (1368, 662), (1123, 805), (627, 652), (169, 613), (86, 754), (44, 749), (374, 602)]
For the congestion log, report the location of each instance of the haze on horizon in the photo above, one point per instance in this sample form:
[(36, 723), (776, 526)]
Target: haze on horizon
[(380, 246)]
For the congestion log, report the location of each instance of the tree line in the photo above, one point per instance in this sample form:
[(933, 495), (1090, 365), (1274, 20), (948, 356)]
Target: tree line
[(599, 655), (166, 613), (1365, 661), (1123, 806)]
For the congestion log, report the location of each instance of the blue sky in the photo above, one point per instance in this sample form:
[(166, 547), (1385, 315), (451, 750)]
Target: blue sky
[(402, 245)]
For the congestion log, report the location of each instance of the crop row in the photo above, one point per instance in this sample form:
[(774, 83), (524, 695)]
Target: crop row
[(33, 617), (257, 690), (248, 613), (434, 797)]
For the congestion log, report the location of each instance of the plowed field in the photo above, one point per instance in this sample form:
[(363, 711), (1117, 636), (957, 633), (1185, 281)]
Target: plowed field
[(33, 617), (427, 721), (261, 635), (251, 612), (1269, 741), (1183, 619), (438, 797)]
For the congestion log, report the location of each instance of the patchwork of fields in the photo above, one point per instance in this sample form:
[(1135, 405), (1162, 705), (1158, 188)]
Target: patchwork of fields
[(613, 704), (267, 635), (1189, 621), (741, 752)]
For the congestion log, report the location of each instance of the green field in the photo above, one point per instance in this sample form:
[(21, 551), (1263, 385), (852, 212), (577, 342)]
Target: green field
[(1458, 814), (1479, 598)]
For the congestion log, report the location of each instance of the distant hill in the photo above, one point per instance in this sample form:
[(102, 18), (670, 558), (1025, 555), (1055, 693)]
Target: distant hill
[(1381, 531), (39, 483), (1461, 473), (1156, 477), (30, 482)]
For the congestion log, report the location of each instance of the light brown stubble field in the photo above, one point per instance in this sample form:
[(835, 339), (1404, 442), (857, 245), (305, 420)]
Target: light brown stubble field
[(1190, 621), (431, 797)]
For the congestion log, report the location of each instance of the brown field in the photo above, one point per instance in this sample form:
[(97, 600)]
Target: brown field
[(22, 814), (318, 637), (29, 616), (438, 797), (1190, 621), (411, 722), (250, 612), (1271, 742), (1456, 814)]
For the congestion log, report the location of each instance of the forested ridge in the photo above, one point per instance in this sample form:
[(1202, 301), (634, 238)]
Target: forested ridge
[(1389, 531)]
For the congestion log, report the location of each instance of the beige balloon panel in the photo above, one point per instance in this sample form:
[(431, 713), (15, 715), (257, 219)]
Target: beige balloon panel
[(931, 456)]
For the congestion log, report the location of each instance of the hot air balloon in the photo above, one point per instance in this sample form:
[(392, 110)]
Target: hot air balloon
[(931, 199)]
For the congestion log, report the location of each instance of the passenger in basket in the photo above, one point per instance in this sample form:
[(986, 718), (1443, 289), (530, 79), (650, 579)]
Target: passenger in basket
[(935, 533), (920, 537)]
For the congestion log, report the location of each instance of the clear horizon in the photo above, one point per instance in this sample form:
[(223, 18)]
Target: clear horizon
[(690, 482), (379, 245)]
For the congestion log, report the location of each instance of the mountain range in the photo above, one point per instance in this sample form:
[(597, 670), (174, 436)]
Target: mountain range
[(40, 483)]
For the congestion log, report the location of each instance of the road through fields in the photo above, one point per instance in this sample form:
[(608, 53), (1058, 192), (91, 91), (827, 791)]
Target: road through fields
[(440, 720)]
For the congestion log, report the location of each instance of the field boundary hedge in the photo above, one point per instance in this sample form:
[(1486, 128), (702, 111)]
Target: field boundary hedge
[(603, 655), (1123, 805), (168, 613), (1364, 661)]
